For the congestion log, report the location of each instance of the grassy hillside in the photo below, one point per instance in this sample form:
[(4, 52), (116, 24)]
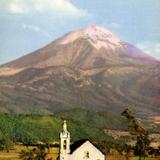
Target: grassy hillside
[(81, 124), (95, 119)]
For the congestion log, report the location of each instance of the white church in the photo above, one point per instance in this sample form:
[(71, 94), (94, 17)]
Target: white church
[(80, 150)]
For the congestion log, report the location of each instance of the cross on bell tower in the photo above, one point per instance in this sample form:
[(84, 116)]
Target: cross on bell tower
[(64, 142)]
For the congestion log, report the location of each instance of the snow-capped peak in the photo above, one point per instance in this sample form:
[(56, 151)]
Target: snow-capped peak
[(99, 37)]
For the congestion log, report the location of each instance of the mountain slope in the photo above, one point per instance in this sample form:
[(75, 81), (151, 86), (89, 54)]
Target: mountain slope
[(89, 68), (83, 49)]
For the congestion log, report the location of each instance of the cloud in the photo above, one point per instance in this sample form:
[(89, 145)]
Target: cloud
[(152, 48), (31, 27), (59, 7), (115, 25), (35, 29)]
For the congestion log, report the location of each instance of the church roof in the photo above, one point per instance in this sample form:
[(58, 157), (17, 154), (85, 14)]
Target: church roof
[(78, 143)]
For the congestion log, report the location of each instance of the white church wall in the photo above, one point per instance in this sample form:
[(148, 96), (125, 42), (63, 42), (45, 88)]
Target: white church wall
[(87, 151)]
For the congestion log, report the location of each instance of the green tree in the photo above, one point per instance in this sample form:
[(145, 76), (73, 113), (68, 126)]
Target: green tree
[(41, 153), (38, 153), (141, 144), (26, 155), (5, 143), (26, 138)]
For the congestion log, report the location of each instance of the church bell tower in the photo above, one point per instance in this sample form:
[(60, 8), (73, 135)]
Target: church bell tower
[(64, 142)]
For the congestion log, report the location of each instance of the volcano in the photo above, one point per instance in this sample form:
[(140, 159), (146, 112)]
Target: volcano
[(90, 68)]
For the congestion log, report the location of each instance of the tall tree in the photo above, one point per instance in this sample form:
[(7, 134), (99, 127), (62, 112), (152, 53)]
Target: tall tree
[(142, 144)]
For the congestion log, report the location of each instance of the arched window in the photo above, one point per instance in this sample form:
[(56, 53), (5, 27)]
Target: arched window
[(64, 144), (86, 155)]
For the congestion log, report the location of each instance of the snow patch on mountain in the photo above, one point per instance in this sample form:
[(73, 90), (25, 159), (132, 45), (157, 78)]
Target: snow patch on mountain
[(97, 36)]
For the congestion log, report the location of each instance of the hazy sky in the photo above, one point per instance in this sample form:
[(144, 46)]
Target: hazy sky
[(26, 25)]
